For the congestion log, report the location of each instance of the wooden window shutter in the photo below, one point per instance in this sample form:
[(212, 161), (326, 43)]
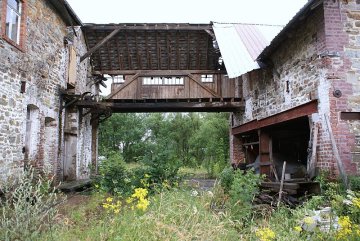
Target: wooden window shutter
[(72, 66)]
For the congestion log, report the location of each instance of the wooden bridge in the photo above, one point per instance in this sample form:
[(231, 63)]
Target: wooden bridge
[(159, 68)]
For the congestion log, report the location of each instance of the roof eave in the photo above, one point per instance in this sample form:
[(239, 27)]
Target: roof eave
[(309, 6), (65, 11)]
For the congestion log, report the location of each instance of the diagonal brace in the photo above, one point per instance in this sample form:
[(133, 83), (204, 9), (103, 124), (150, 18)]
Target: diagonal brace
[(101, 43)]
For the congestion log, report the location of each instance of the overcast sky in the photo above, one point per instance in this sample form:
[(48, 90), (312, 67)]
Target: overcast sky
[(277, 12)]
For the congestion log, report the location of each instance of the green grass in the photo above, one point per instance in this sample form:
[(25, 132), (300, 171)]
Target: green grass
[(188, 172), (173, 215)]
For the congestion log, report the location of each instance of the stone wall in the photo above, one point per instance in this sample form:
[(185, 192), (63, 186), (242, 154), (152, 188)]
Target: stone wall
[(319, 55), (43, 66)]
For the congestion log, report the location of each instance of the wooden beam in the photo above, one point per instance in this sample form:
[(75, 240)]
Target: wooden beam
[(296, 112), (122, 86), (158, 72), (167, 27), (101, 43), (213, 93), (264, 152), (137, 106)]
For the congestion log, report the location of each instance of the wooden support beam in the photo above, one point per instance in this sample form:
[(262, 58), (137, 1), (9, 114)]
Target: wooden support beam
[(158, 72), (162, 105), (101, 43), (166, 27), (264, 152), (122, 86), (213, 93), (296, 112)]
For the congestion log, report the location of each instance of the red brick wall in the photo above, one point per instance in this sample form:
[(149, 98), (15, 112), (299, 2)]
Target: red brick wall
[(337, 32)]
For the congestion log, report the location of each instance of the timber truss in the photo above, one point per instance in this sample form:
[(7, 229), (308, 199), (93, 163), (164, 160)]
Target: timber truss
[(162, 67)]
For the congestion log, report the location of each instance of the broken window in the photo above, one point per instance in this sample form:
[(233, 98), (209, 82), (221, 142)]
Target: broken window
[(207, 78), (163, 81), (14, 20)]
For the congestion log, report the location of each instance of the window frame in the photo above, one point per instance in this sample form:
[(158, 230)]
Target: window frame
[(20, 43), (207, 78), (163, 81)]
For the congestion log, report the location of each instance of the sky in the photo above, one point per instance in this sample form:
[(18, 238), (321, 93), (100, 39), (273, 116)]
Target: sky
[(276, 12)]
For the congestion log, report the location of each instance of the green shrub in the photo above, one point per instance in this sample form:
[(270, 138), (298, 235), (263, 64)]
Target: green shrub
[(242, 192), (354, 182), (226, 178), (28, 207), (114, 178)]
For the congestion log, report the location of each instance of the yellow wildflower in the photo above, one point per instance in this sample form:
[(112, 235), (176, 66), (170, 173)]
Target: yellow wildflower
[(309, 220), (356, 202), (265, 234), (147, 175), (109, 199), (345, 228), (298, 229), (116, 211)]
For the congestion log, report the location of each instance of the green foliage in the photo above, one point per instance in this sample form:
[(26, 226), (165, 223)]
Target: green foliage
[(242, 192), (354, 182), (114, 178), (189, 139), (28, 208), (125, 133), (226, 178)]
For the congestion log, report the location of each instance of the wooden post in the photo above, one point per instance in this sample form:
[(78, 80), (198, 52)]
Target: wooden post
[(264, 152), (336, 153), (281, 183)]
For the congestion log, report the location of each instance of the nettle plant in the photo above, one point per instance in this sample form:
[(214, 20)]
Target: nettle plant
[(28, 207)]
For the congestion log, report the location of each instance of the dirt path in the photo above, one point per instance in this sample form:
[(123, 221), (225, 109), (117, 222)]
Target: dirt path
[(201, 184)]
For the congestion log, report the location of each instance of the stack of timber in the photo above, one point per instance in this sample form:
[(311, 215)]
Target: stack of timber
[(292, 192)]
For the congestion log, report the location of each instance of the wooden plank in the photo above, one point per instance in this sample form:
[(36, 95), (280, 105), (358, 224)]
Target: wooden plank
[(312, 161), (277, 185), (281, 183), (336, 153), (299, 111), (122, 86), (192, 77), (101, 43), (72, 66)]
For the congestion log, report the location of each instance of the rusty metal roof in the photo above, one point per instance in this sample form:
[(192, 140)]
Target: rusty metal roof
[(152, 47), (241, 44)]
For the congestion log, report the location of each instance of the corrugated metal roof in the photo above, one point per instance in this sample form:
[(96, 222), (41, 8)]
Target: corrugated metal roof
[(241, 44)]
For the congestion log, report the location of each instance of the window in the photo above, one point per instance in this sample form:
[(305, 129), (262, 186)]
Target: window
[(163, 81), (207, 78), (14, 10), (118, 79), (13, 18)]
